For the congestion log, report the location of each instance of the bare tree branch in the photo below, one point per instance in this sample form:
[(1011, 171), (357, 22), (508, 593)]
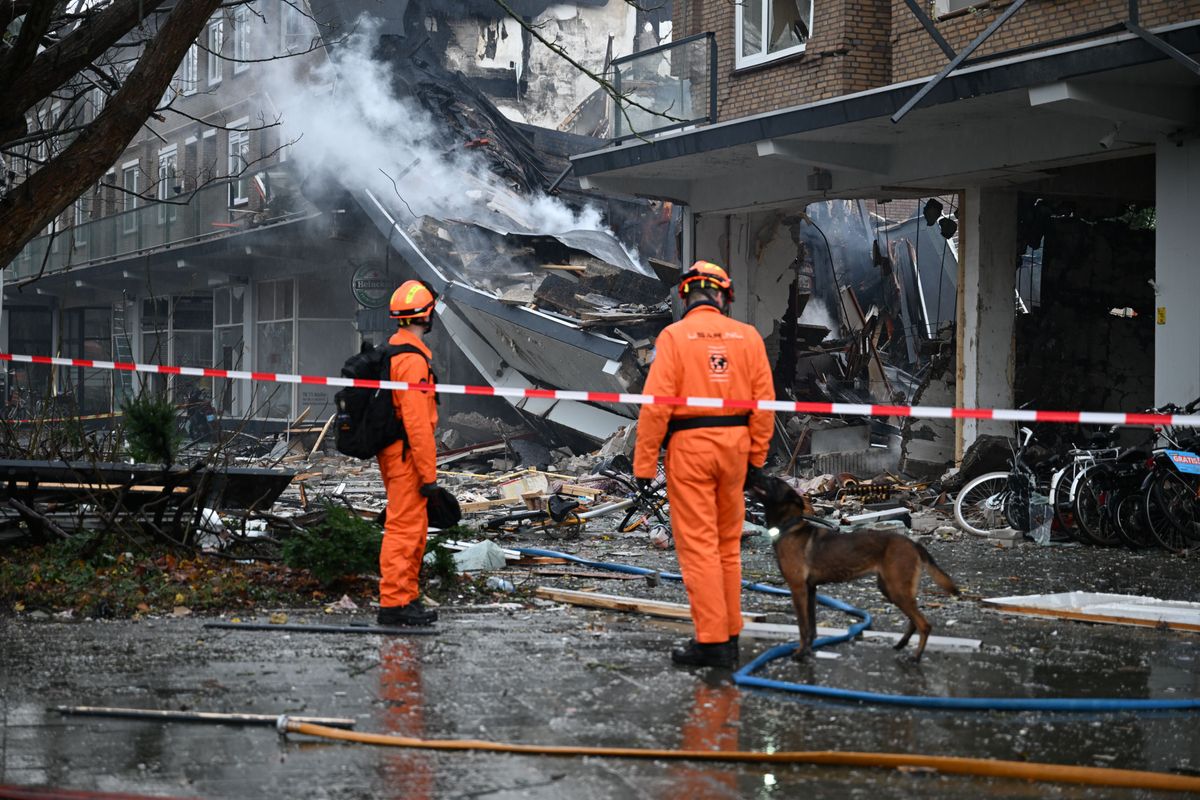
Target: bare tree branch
[(53, 187)]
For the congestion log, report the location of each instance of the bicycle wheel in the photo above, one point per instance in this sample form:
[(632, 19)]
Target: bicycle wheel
[(1159, 525), (980, 505), (1093, 494), (1061, 500), (1177, 499), (1131, 522), (1020, 491)]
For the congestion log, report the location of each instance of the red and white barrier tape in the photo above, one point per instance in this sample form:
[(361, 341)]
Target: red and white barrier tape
[(820, 409)]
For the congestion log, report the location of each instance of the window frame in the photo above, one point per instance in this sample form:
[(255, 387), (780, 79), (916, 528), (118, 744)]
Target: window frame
[(943, 8), (241, 39), (742, 60), (215, 43), (79, 220), (189, 71), (168, 157), (130, 204), (239, 186)]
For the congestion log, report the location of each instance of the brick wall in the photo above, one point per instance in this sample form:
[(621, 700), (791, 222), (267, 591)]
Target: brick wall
[(863, 44), (848, 51), (916, 55)]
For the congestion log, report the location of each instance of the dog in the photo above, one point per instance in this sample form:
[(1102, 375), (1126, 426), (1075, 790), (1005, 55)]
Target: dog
[(810, 554)]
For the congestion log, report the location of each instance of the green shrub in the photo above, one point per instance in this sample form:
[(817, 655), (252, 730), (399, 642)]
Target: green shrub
[(151, 429), (444, 567), (342, 544)]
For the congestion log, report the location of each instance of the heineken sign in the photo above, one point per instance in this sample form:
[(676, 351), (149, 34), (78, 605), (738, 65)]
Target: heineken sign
[(371, 287)]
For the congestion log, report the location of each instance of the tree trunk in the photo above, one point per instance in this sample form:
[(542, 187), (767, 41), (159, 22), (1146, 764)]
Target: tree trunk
[(44, 195)]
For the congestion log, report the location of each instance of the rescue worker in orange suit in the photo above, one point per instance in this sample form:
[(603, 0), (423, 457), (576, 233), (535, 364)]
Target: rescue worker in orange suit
[(711, 453), (409, 469)]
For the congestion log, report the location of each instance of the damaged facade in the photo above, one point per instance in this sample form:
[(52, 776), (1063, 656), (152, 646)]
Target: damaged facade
[(265, 267), (1057, 139)]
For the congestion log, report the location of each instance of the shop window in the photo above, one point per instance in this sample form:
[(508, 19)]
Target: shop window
[(770, 29), (275, 337)]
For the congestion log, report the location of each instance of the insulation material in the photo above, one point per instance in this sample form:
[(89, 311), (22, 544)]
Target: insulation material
[(1117, 609)]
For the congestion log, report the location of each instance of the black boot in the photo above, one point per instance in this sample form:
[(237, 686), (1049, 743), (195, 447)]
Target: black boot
[(414, 613), (698, 654)]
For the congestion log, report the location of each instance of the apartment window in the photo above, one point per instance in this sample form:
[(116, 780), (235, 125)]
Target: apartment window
[(294, 37), (98, 99), (189, 76), (770, 29), (129, 182), (216, 40), (241, 39), (239, 160), (168, 176), (79, 219)]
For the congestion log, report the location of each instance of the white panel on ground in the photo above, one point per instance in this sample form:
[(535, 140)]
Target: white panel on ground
[(1118, 609)]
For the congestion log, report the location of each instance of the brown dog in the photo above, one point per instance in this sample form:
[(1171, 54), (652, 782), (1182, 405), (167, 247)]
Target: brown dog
[(810, 555)]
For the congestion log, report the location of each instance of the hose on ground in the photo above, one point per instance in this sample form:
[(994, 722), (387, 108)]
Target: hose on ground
[(746, 677), (976, 767)]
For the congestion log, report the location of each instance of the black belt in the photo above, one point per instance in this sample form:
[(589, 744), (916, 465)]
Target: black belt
[(715, 421)]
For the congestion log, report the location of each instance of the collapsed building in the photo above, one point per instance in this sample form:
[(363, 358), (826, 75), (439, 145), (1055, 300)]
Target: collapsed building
[(282, 261)]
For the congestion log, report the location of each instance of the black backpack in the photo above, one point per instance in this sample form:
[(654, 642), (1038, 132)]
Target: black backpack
[(367, 420)]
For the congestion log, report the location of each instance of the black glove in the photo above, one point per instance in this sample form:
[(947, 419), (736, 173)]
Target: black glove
[(643, 485), (429, 489), (753, 475)]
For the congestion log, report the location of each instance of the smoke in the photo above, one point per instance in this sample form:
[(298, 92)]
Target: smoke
[(815, 313), (348, 125)]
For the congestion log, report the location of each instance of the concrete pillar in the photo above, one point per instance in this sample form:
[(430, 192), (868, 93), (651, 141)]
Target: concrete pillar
[(1176, 273), (988, 273)]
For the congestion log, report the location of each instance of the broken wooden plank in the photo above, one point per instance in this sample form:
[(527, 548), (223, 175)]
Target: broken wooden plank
[(576, 489), (321, 438), (612, 602), (484, 505), (566, 267)]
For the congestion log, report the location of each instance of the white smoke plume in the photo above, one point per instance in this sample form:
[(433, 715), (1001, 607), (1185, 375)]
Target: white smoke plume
[(346, 122)]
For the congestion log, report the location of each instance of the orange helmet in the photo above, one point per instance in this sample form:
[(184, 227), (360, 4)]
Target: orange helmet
[(705, 275), (412, 302)]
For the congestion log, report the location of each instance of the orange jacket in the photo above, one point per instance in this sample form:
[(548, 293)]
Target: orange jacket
[(705, 354), (417, 409)]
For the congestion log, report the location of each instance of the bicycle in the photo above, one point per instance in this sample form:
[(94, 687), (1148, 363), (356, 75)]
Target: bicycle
[(999, 497)]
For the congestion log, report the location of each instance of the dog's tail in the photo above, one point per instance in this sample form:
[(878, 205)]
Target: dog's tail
[(937, 573)]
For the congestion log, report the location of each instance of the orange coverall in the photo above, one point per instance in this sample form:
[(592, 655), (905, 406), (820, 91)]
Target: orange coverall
[(403, 475), (706, 354)]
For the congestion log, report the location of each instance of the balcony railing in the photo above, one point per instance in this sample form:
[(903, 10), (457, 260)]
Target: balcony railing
[(666, 87), (150, 226)]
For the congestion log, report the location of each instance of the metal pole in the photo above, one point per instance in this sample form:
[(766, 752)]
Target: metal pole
[(957, 60), (196, 716), (932, 30)]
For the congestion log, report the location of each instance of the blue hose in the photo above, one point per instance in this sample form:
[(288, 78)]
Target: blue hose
[(745, 676)]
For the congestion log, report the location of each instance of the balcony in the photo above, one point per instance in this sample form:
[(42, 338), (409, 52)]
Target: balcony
[(156, 226), (666, 87)]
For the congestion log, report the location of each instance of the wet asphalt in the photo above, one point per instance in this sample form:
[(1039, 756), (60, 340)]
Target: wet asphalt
[(551, 674)]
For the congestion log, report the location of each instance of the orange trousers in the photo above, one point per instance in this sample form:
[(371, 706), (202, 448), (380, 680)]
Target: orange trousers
[(705, 474), (404, 531)]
